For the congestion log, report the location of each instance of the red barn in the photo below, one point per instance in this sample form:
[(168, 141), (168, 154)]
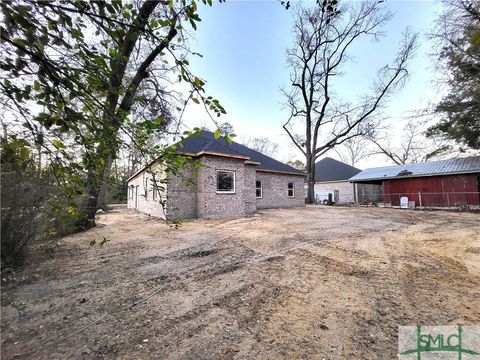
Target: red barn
[(453, 183)]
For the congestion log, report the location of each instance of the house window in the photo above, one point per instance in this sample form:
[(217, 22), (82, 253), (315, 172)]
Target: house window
[(130, 192), (258, 189), (291, 191), (225, 182), (155, 189)]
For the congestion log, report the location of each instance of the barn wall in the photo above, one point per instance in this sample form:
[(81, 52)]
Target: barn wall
[(462, 190)]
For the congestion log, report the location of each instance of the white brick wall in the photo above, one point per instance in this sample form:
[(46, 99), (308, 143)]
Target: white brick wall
[(344, 188), (140, 194)]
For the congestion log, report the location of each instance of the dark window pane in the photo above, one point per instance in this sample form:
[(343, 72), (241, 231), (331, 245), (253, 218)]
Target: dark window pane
[(290, 190), (258, 188), (225, 181)]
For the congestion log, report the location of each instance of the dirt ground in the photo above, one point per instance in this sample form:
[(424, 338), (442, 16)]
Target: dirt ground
[(307, 283)]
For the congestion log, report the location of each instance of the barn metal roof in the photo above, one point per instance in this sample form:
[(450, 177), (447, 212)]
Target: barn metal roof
[(430, 168)]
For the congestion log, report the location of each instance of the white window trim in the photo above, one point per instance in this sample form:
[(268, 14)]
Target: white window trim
[(216, 182), (261, 189), (293, 190)]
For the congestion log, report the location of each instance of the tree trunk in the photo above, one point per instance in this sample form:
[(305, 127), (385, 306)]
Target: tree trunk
[(310, 165), (102, 203), (39, 152), (88, 207), (95, 180), (4, 133)]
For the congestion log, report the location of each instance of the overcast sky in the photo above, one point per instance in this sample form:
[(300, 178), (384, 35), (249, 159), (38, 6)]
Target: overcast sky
[(244, 43)]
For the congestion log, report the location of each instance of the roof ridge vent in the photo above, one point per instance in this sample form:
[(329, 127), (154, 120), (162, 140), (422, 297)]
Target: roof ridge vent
[(405, 173)]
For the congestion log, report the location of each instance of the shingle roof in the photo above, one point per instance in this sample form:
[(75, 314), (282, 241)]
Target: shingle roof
[(329, 169), (431, 168), (206, 142)]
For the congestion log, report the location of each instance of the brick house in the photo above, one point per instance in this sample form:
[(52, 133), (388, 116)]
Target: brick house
[(331, 176), (228, 180)]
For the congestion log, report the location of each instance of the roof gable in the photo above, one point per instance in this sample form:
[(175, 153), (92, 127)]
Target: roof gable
[(329, 169), (430, 168), (206, 142)]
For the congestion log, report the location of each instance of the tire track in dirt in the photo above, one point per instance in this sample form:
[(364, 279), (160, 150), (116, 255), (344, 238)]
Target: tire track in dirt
[(285, 284)]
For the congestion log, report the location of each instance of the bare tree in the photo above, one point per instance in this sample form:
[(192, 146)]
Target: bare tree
[(297, 164), (414, 147), (226, 128), (355, 149), (324, 35), (263, 145)]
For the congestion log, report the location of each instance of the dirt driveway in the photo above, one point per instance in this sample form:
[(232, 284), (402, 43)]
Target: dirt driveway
[(311, 283)]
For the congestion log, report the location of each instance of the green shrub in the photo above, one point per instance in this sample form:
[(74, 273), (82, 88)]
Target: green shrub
[(33, 206)]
